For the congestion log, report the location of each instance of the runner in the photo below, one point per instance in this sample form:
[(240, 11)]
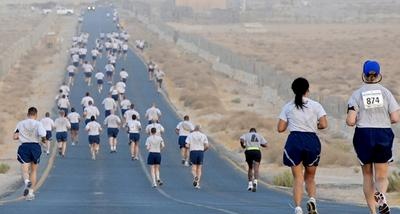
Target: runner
[(154, 145), (62, 126), (71, 69), (94, 53), (75, 60), (124, 75), (113, 122), (125, 105), (88, 70), (251, 142), (63, 104), (114, 93), (74, 118), (128, 114), (48, 125), (150, 67), (154, 124), (65, 89), (183, 129), (112, 58), (90, 111), (153, 113), (86, 99), (372, 109), (197, 143), (82, 53), (125, 48), (100, 80), (303, 117), (29, 133), (120, 86), (159, 79), (109, 72), (109, 105), (94, 128), (134, 128)]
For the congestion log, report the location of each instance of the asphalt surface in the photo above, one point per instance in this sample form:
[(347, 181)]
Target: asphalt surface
[(115, 184)]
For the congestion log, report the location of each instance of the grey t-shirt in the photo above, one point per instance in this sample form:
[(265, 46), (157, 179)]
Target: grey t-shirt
[(253, 139), (373, 104), (302, 120)]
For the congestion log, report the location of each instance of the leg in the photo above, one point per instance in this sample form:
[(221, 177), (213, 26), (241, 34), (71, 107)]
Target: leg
[(368, 186), (110, 142), (157, 171), (132, 146), (136, 149), (381, 177), (309, 178), (64, 147), (115, 143), (297, 172), (198, 172), (33, 174), (25, 167), (153, 174)]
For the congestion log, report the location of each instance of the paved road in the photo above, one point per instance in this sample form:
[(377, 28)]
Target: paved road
[(115, 184)]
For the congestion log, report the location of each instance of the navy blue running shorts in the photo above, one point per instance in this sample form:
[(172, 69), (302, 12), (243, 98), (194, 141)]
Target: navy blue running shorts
[(373, 145), (154, 158), (48, 135), (112, 132), (29, 153), (182, 141), (134, 137), (99, 81), (61, 136), (94, 139), (302, 147), (197, 157), (75, 126)]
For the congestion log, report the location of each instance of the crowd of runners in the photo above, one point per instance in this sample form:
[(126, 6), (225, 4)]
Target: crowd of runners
[(372, 109)]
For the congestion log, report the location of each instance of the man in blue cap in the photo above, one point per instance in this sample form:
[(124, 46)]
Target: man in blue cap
[(373, 109)]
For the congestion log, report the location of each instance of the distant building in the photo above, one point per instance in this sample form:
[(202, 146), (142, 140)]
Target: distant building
[(203, 5)]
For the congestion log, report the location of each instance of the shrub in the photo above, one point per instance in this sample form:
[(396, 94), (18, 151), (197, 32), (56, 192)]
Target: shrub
[(284, 179), (4, 168), (394, 182), (236, 100)]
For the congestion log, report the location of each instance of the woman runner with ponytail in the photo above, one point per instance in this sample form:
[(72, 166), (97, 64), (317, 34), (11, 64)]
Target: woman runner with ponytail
[(303, 117)]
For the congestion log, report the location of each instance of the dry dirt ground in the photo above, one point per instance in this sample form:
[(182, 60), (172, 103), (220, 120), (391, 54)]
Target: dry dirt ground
[(27, 84), (226, 108)]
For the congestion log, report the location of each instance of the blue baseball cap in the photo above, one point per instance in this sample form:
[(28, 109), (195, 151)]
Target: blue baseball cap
[(371, 67)]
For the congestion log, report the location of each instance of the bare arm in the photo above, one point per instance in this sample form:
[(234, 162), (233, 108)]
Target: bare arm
[(282, 126), (351, 118), (322, 122), (394, 117)]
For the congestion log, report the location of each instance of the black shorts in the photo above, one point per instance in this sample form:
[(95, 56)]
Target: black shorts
[(252, 156)]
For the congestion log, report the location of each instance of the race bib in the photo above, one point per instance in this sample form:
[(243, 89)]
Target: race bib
[(372, 99)]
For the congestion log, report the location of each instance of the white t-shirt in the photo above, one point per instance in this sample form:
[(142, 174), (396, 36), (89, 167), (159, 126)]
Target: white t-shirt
[(134, 126), (30, 131), (153, 113), (112, 121), (99, 76), (93, 128), (82, 51), (65, 89), (120, 87), (95, 52), (159, 128), (196, 141), (73, 117), (154, 143), (109, 67), (125, 47), (123, 74), (160, 75), (62, 124), (85, 101), (125, 104), (75, 58), (109, 103), (128, 114), (91, 111), (253, 139), (71, 69), (113, 90), (185, 127), (88, 68), (302, 120), (47, 123), (63, 103)]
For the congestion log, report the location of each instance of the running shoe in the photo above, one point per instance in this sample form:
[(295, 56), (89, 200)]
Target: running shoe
[(136, 158), (159, 182), (133, 158), (298, 210), (183, 161), (186, 163), (195, 181), (47, 152), (30, 196), (154, 185), (254, 187), (28, 185), (312, 206), (250, 187), (383, 207), (73, 144)]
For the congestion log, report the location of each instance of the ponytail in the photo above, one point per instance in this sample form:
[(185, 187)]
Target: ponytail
[(300, 87)]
